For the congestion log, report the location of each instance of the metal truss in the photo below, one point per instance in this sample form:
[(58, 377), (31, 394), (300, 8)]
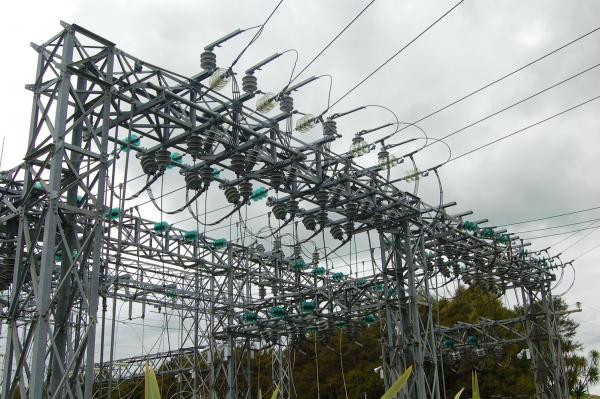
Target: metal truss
[(74, 246)]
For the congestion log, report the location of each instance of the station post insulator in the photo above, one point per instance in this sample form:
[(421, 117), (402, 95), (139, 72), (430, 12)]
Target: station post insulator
[(163, 159), (330, 129), (206, 174), (194, 145), (292, 207), (337, 232), (208, 60), (309, 222), (252, 158), (238, 163), (245, 190), (193, 181), (352, 209), (149, 165), (232, 195), (286, 104), (322, 198), (322, 218), (277, 178), (279, 211), (249, 83)]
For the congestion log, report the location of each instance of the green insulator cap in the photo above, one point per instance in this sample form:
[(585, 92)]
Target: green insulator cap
[(488, 233), (219, 243), (299, 265), (448, 343), (175, 158), (369, 319), (361, 282), (307, 307), (250, 317), (338, 276), (161, 227), (502, 239), (113, 214), (318, 271), (470, 226), (312, 329), (131, 141), (38, 186), (215, 172), (171, 294), (340, 324), (378, 287), (259, 194), (472, 340), (277, 312), (191, 236)]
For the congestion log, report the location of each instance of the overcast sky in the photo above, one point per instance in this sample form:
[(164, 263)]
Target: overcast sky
[(546, 170)]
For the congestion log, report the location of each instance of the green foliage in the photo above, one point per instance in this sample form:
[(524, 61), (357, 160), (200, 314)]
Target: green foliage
[(361, 354), (583, 372), (359, 358), (503, 377)]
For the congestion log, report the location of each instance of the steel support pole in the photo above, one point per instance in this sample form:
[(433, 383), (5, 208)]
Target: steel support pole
[(20, 268), (231, 360), (44, 312), (94, 277)]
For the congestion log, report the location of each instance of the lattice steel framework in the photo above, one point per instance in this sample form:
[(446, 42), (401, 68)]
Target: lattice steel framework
[(71, 242)]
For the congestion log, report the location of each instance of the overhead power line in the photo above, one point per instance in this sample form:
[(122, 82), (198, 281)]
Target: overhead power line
[(555, 227), (332, 41), (549, 217), (395, 54), (517, 103), (582, 238), (523, 129), (501, 78), (587, 252), (559, 234)]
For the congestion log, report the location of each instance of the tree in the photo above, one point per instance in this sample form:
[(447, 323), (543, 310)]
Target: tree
[(583, 372), (499, 376)]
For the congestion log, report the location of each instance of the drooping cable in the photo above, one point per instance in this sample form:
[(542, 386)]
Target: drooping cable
[(256, 35)]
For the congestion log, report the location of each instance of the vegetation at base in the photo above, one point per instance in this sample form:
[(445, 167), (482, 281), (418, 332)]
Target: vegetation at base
[(506, 376)]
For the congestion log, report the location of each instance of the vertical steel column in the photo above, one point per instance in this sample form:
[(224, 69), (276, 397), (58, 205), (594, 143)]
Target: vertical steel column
[(231, 360), (559, 385), (64, 294), (392, 360), (415, 342), (213, 349), (535, 345), (20, 268), (196, 371), (43, 311), (94, 276)]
